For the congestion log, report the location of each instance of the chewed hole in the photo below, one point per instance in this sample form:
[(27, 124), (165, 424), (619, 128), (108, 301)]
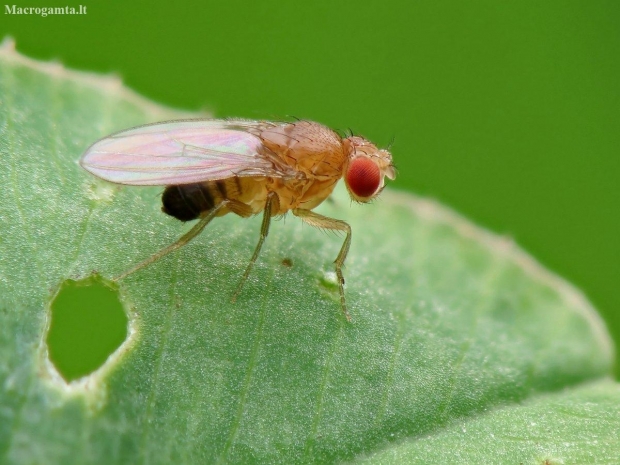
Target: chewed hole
[(87, 324)]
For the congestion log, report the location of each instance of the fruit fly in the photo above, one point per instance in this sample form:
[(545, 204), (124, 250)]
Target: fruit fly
[(213, 167)]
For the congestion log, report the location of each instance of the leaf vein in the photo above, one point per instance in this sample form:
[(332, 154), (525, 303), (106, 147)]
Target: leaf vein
[(321, 394), (159, 357), (248, 377)]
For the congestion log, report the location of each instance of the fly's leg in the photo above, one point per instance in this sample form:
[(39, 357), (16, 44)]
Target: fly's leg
[(324, 222), (205, 219), (271, 204)]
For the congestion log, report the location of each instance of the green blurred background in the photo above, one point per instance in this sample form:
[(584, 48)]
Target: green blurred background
[(507, 111)]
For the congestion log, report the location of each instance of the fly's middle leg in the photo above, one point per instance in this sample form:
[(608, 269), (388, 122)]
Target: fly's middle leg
[(320, 221), (271, 205)]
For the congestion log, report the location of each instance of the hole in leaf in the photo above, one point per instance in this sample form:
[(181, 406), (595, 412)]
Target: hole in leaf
[(88, 323)]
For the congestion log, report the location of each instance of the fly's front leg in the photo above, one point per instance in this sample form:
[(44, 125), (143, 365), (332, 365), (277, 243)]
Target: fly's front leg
[(271, 205), (320, 221), (205, 219)]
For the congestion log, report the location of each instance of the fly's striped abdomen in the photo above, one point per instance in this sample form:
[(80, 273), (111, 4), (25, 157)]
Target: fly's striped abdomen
[(188, 201)]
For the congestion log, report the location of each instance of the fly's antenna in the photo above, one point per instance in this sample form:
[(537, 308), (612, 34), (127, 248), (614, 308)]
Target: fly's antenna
[(391, 143)]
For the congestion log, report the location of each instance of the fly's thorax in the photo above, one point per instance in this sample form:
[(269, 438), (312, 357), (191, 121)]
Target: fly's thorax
[(365, 168), (306, 147), (301, 193)]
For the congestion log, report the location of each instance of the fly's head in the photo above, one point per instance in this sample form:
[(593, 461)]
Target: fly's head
[(365, 168)]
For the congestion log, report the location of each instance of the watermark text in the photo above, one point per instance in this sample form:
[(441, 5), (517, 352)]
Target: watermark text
[(44, 11)]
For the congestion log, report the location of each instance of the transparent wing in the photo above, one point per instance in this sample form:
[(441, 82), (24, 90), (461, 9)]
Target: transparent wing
[(183, 152)]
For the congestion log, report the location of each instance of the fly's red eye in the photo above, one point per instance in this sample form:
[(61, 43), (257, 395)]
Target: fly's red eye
[(363, 177)]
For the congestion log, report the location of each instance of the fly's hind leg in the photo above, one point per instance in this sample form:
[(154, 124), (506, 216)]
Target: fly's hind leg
[(320, 221), (205, 219), (271, 205)]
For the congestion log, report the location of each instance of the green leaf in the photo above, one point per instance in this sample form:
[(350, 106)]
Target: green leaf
[(578, 426), (453, 328)]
